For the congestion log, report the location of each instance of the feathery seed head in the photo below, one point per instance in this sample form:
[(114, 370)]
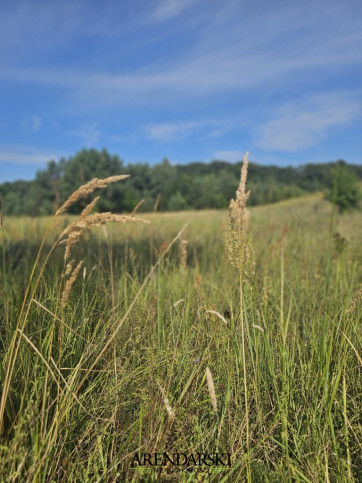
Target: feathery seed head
[(239, 248), (69, 284), (88, 188)]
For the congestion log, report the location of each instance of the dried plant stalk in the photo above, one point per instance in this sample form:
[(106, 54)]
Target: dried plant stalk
[(88, 188), (240, 250), (135, 209), (166, 402), (157, 202), (217, 315), (69, 284), (211, 388)]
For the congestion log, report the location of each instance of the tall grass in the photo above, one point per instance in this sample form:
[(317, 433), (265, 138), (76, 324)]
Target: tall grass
[(138, 359)]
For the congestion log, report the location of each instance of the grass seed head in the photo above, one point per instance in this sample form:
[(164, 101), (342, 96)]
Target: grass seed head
[(239, 247), (88, 209), (88, 188), (69, 284), (211, 388)]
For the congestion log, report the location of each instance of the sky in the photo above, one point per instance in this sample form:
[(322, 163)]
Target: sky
[(190, 80)]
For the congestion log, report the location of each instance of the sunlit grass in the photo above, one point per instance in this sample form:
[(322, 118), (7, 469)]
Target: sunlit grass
[(65, 422)]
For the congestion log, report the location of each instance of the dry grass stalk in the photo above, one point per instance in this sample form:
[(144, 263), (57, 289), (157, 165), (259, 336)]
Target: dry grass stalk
[(166, 402), (75, 229), (240, 250), (211, 388), (178, 302), (88, 188), (217, 315), (137, 207), (183, 253), (69, 284), (157, 202)]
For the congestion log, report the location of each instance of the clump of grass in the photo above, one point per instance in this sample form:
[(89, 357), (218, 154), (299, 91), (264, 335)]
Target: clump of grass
[(72, 234), (84, 393)]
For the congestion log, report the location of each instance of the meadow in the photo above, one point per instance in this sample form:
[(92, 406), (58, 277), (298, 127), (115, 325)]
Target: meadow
[(160, 345)]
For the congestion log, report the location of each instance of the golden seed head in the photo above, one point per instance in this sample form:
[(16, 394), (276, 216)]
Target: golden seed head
[(239, 248), (88, 188), (211, 388), (69, 284)]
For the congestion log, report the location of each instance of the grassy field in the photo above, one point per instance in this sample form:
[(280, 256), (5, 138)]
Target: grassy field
[(120, 368)]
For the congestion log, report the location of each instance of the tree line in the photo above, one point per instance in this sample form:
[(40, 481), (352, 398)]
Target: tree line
[(167, 187)]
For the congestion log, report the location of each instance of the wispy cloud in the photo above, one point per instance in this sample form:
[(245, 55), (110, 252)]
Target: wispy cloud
[(26, 155), (304, 123), (89, 133), (229, 155), (36, 123), (167, 9), (261, 53), (172, 131), (180, 130)]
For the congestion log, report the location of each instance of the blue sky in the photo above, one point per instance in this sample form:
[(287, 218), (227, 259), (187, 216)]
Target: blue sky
[(186, 79)]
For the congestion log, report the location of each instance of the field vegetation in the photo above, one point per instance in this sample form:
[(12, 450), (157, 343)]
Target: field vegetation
[(152, 341)]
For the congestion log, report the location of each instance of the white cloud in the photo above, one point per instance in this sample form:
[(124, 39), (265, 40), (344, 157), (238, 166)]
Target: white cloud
[(36, 123), (278, 46), (25, 155), (227, 155), (167, 9), (89, 133), (180, 130), (172, 131), (304, 123)]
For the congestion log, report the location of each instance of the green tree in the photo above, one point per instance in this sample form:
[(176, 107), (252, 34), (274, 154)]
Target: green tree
[(177, 202), (343, 191)]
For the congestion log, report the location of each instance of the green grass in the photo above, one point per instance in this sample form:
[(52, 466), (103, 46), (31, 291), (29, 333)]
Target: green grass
[(84, 393)]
